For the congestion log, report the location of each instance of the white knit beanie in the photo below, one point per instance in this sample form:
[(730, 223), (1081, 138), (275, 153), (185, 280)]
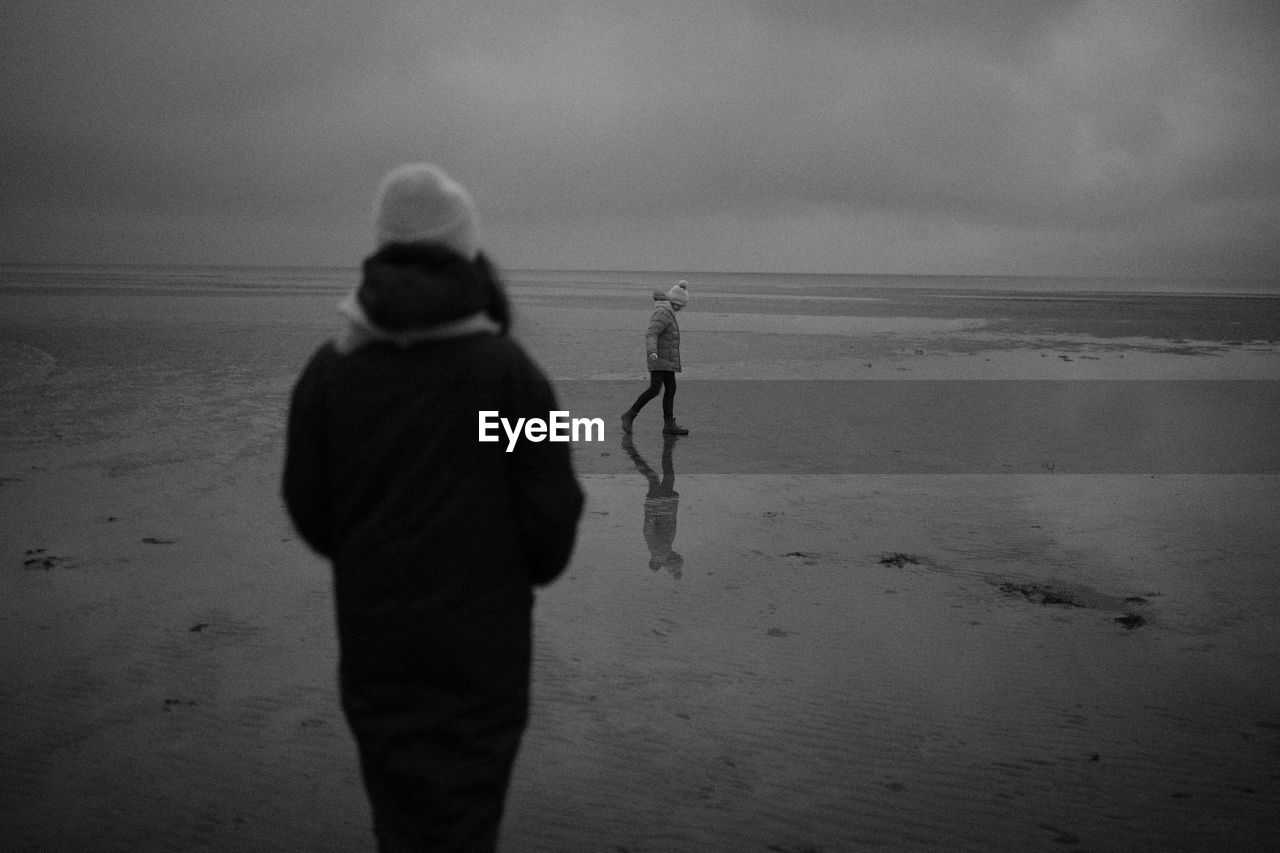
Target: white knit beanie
[(679, 295), (418, 202)]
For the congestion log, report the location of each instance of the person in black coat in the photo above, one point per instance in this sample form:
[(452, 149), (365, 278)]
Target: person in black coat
[(436, 539)]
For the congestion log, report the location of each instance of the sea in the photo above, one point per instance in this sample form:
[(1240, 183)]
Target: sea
[(308, 278), (1214, 311)]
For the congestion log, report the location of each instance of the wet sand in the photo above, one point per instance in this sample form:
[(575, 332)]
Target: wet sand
[(913, 608)]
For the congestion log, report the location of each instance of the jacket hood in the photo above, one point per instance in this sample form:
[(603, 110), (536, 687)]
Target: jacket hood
[(661, 300), (415, 293), (416, 286)]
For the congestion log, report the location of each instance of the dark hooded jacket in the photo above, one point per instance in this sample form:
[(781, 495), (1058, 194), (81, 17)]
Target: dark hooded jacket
[(436, 538)]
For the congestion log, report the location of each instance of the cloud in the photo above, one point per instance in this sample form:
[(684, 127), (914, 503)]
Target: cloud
[(834, 136)]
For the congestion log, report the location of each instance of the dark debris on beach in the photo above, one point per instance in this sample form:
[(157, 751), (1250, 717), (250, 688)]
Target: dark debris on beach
[(1039, 593), (1044, 594), (38, 560)]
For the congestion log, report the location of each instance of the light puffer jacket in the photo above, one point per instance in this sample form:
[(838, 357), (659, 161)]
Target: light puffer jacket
[(663, 336)]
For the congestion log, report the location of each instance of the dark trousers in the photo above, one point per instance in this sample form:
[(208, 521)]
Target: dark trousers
[(435, 765), (659, 380)]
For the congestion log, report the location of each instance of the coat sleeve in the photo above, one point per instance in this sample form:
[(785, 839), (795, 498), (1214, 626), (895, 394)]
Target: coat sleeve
[(305, 482), (548, 498), (657, 324)]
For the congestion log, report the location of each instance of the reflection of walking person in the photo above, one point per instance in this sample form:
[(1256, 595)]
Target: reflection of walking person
[(660, 506), (662, 353), (436, 539)]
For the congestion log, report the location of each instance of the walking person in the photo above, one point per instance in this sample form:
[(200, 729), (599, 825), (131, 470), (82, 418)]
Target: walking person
[(662, 353), (436, 539)]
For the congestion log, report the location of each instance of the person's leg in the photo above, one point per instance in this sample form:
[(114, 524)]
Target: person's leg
[(668, 406), (435, 779), (655, 385)]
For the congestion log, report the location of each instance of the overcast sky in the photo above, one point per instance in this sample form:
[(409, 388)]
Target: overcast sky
[(949, 137)]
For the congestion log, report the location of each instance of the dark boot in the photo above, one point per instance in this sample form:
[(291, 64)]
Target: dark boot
[(627, 418), (673, 428)]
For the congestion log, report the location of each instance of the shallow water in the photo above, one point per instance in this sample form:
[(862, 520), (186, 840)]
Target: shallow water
[(794, 686)]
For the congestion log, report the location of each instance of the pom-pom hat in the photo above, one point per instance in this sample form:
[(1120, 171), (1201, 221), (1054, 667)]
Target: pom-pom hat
[(679, 295), (419, 203)]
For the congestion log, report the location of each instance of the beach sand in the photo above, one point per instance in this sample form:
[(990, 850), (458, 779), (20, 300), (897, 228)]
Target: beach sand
[(957, 574)]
